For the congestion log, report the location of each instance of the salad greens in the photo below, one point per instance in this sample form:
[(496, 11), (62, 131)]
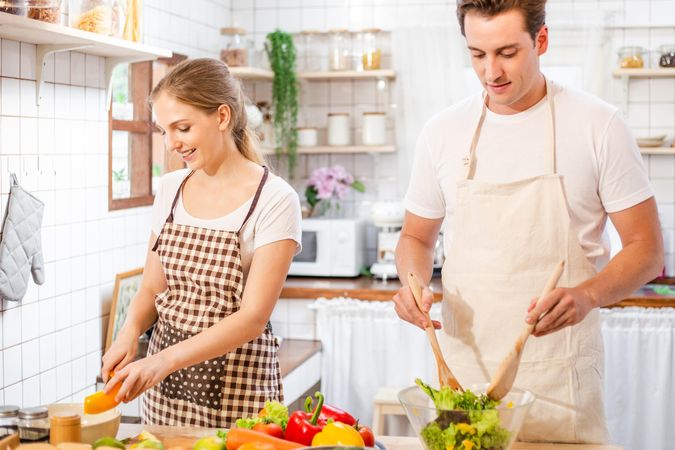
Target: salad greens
[(274, 412), (465, 421)]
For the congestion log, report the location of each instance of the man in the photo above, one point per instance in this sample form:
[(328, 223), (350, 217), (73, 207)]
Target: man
[(526, 175)]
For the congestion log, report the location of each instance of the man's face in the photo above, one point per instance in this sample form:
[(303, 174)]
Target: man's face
[(505, 57)]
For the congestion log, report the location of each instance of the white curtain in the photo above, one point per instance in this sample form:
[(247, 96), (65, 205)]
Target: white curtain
[(639, 377), (430, 66), (365, 347)]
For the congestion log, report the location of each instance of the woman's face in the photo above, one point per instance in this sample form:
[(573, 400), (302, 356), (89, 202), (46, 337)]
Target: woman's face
[(195, 135)]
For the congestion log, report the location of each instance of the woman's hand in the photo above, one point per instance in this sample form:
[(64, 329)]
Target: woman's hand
[(139, 376), (406, 307), (121, 352)]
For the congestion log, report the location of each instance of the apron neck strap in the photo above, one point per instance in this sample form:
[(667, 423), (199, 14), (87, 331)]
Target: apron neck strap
[(255, 198), (169, 219), (470, 160)]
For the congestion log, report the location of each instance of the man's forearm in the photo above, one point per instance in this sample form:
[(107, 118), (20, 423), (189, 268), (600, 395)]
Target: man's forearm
[(636, 264), (412, 255)]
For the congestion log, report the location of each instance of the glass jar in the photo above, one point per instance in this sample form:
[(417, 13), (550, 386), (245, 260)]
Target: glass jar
[(234, 50), (311, 50), (45, 10), (9, 419), (338, 129), (126, 20), (65, 428), (632, 57), (339, 50), (371, 49), (667, 58), (94, 16), (16, 7), (33, 424)]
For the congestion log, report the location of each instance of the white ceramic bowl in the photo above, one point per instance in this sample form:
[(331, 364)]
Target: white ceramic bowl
[(94, 426)]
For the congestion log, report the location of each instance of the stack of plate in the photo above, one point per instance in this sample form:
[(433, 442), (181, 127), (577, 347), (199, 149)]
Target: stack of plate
[(653, 141)]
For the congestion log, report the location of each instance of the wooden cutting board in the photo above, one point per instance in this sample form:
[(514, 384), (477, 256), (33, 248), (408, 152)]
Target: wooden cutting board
[(170, 436)]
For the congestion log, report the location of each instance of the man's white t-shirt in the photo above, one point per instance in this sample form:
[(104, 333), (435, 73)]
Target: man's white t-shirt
[(596, 155), (276, 217)]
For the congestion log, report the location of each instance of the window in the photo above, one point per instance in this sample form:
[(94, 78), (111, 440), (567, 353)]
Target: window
[(136, 156)]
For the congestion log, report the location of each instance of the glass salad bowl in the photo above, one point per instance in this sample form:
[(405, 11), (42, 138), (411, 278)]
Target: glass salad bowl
[(492, 427)]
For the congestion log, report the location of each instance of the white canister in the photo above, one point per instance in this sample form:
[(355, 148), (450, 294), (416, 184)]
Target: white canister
[(374, 128), (338, 129), (307, 137)]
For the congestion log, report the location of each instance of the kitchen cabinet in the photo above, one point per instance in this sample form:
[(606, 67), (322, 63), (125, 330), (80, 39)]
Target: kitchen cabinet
[(52, 38)]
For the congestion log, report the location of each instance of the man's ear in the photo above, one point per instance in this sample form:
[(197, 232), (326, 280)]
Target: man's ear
[(224, 117), (542, 40)]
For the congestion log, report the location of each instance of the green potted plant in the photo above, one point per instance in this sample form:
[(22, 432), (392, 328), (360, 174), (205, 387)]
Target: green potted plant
[(281, 54)]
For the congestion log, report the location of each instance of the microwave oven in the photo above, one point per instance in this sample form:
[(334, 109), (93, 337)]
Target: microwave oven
[(330, 248)]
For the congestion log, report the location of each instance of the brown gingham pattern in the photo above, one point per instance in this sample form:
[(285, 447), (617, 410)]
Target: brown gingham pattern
[(204, 285)]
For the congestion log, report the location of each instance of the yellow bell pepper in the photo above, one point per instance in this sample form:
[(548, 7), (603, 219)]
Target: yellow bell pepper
[(338, 433), (466, 428)]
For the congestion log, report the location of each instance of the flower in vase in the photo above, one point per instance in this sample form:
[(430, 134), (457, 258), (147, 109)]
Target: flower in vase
[(330, 185)]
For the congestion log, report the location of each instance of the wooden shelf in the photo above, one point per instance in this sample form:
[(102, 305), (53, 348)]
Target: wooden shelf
[(348, 75), (657, 150), (323, 149), (252, 73), (52, 38), (256, 74), (645, 73)]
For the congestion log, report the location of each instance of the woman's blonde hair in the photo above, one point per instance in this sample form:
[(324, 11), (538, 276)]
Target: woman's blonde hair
[(206, 84)]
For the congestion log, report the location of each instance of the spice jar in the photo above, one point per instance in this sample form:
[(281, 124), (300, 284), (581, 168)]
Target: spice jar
[(667, 58), (340, 50), (9, 419), (371, 49), (45, 10), (234, 51), (33, 424), (65, 428), (338, 129), (374, 128), (16, 7), (94, 16), (632, 57)]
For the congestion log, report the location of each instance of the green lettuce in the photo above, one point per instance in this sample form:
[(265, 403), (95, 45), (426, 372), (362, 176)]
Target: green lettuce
[(275, 413)]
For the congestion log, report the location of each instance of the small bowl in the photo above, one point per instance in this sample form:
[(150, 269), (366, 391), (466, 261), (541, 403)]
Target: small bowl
[(421, 412), (94, 426)]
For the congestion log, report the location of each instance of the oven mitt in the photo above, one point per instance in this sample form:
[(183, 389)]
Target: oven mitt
[(20, 244)]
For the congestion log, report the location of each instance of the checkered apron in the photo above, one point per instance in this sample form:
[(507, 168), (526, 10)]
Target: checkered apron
[(204, 278)]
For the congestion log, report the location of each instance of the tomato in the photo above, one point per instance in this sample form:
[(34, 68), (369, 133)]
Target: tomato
[(367, 435), (271, 429), (257, 446)]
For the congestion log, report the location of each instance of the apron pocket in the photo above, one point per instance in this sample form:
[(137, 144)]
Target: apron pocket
[(201, 384)]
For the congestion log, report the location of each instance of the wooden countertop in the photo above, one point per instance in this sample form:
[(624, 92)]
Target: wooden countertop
[(186, 436), (364, 288), (294, 352)]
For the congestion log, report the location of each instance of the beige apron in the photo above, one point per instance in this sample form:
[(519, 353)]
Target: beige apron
[(507, 240)]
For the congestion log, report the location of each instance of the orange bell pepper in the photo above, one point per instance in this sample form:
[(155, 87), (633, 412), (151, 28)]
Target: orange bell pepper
[(99, 402)]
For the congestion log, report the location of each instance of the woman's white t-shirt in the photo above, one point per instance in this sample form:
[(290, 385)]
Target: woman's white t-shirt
[(276, 217), (596, 155)]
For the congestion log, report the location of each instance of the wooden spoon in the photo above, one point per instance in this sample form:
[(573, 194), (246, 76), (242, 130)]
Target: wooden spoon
[(445, 376), (503, 378)]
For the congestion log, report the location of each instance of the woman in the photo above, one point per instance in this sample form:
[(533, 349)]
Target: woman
[(224, 233)]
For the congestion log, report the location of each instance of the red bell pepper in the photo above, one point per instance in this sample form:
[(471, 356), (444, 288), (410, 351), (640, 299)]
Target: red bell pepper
[(331, 412), (302, 426)]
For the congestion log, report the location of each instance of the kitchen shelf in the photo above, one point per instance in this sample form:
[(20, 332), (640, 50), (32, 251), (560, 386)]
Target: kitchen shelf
[(334, 149), (657, 150), (645, 73), (52, 38), (256, 74)]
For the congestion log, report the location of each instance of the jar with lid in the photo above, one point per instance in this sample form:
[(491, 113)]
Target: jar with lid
[(65, 428), (94, 16), (16, 7), (234, 50), (370, 51), (338, 129), (312, 51), (340, 50), (667, 56), (33, 424), (632, 57), (126, 20), (9, 419), (45, 10)]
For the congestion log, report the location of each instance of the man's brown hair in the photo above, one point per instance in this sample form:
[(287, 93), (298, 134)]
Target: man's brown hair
[(534, 11)]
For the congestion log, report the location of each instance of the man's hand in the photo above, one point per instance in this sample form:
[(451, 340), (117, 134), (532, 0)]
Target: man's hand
[(562, 307), (406, 308), (139, 376)]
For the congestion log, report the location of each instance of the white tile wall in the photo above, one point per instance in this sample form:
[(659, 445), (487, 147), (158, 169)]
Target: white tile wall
[(51, 342), (651, 107)]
